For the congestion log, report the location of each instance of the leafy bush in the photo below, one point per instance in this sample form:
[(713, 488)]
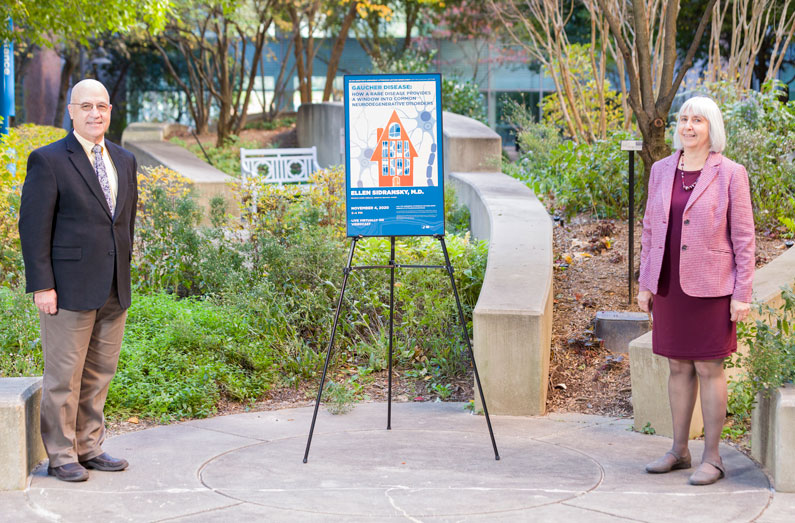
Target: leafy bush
[(770, 361), (272, 125), (536, 141), (571, 178), (166, 240), (760, 132), (588, 104), (181, 356), (15, 147), (463, 97), (223, 313), (20, 346)]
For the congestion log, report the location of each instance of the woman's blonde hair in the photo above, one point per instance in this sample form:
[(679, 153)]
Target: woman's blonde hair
[(706, 107)]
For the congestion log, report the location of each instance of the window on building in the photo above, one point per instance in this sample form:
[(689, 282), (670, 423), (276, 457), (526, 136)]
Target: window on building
[(391, 149), (399, 145), (407, 167), (399, 166), (406, 147), (385, 167), (394, 131), (384, 149), (391, 167)]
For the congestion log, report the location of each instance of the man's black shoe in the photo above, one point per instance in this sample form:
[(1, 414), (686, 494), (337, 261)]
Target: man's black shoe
[(69, 472), (105, 462)]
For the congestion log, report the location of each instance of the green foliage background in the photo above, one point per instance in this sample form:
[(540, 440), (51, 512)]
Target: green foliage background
[(575, 177), (226, 311)]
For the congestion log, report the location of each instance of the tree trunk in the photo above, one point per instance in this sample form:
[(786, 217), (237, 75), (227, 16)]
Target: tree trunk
[(70, 63), (336, 51), (650, 107)]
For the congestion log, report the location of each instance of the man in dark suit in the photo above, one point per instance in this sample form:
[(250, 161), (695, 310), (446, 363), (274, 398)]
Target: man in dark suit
[(76, 224)]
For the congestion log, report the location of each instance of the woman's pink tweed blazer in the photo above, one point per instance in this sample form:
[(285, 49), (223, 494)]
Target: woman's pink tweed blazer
[(718, 245)]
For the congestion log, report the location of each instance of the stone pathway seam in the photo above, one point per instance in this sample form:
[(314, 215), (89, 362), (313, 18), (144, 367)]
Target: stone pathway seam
[(204, 465), (605, 513), (396, 507), (772, 493), (191, 514), (258, 440)]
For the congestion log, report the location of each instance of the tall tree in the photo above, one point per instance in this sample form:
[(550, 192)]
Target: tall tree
[(636, 29), (748, 39), (214, 40), (539, 27), (37, 21), (67, 26)]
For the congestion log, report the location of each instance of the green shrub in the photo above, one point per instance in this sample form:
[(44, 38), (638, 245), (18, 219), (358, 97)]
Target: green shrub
[(180, 357), (592, 178), (770, 361), (20, 346), (463, 97), (167, 242), (760, 133), (15, 147), (272, 125), (223, 313)]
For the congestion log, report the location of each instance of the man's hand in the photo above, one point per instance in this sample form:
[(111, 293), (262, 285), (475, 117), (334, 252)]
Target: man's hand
[(739, 310), (46, 301), (644, 300)]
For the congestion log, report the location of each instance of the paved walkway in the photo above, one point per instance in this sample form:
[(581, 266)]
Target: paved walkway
[(435, 465)]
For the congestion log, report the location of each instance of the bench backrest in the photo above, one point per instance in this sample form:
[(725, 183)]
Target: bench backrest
[(279, 165)]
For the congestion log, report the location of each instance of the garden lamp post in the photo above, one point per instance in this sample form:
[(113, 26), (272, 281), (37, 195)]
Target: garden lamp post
[(631, 146)]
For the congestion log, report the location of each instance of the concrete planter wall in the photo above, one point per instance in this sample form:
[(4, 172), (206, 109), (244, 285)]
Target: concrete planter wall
[(323, 125), (513, 316), (145, 141), (21, 449), (773, 436)]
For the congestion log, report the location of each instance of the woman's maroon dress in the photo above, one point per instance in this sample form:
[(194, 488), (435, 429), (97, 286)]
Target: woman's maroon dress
[(686, 327)]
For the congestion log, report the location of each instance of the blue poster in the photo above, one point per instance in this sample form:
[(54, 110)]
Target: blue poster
[(394, 172)]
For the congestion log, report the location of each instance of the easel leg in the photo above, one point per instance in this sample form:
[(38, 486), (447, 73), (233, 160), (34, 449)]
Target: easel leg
[(469, 345), (391, 326), (346, 273)]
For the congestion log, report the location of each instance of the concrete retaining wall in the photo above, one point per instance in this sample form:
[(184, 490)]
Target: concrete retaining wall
[(145, 142), (773, 436), (513, 316), (469, 146), (323, 125), (650, 372), (21, 448)]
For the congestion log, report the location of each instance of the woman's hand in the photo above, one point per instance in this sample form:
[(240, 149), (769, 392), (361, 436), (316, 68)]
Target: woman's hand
[(644, 300), (739, 310)]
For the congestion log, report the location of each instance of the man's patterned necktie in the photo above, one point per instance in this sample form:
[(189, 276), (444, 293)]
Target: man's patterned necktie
[(102, 175)]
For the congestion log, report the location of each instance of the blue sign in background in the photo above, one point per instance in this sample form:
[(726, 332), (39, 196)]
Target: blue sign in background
[(406, 111)]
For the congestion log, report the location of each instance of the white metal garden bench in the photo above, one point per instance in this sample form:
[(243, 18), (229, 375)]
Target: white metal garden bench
[(279, 166)]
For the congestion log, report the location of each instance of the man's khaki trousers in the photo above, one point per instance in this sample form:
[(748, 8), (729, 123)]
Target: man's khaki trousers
[(81, 352)]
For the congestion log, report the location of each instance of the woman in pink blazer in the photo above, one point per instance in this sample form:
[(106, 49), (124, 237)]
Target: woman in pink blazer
[(696, 270)]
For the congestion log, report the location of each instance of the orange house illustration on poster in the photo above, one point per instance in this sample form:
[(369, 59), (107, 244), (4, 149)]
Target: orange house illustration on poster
[(395, 154)]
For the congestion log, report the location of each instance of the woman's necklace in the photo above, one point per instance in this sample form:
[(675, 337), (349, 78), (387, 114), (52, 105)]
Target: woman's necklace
[(682, 169)]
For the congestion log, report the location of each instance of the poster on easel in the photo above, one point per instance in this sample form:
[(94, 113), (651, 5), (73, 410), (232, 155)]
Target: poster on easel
[(393, 155)]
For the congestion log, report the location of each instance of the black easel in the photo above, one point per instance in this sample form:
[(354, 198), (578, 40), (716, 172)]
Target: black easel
[(392, 266)]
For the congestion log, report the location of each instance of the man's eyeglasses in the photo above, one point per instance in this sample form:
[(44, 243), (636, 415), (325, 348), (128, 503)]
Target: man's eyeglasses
[(87, 107)]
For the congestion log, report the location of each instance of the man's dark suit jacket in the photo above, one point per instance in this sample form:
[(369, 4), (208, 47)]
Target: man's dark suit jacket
[(70, 242)]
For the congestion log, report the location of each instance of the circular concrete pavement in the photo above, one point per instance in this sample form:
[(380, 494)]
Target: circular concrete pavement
[(435, 465)]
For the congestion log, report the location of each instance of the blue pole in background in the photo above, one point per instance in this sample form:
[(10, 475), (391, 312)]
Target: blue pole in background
[(7, 109)]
